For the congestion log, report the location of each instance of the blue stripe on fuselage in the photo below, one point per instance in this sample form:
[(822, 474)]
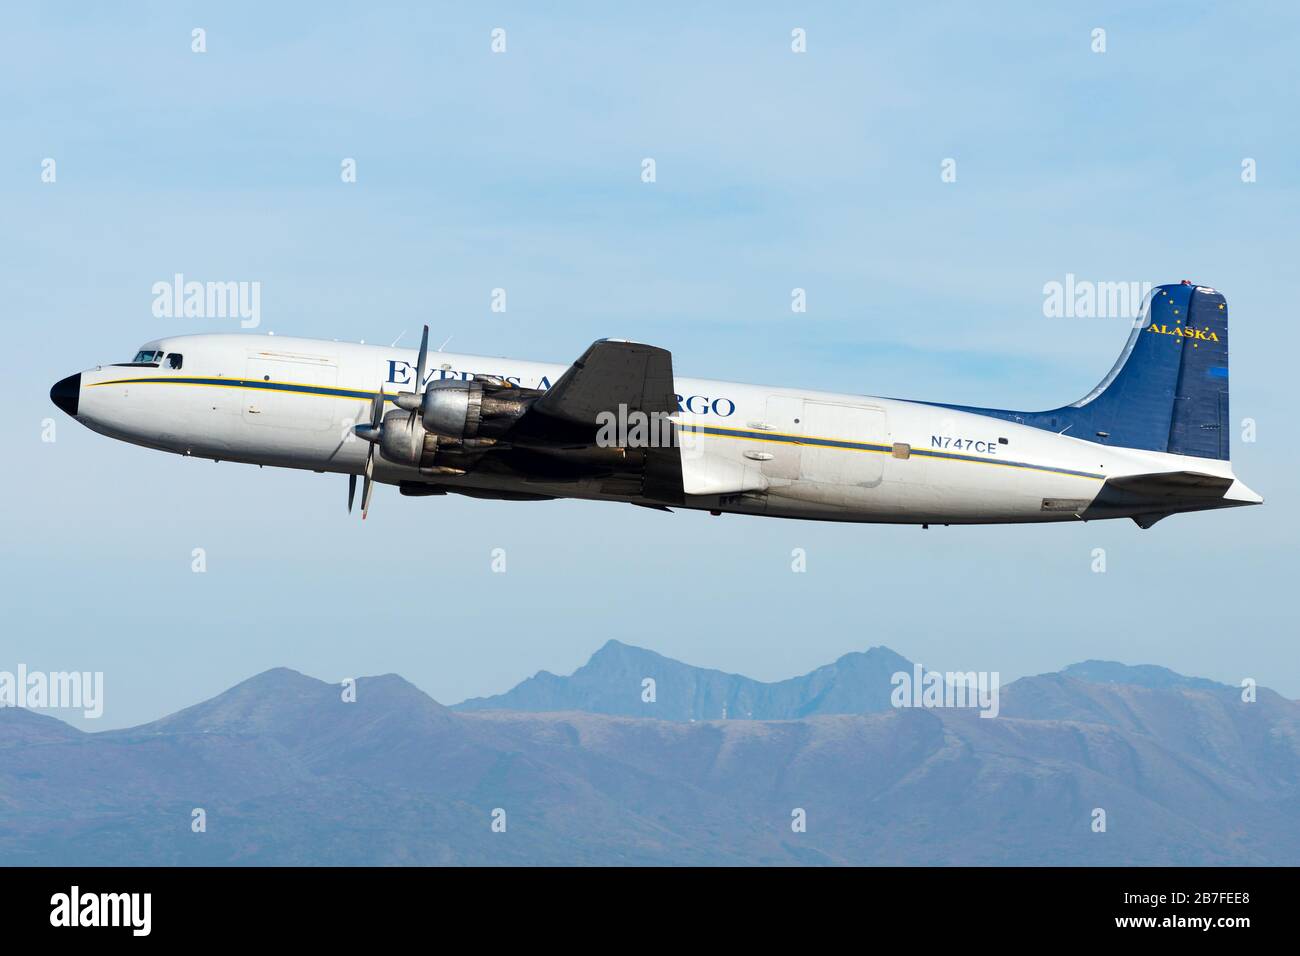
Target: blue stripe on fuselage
[(712, 430)]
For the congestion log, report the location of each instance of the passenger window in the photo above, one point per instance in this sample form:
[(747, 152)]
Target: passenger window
[(174, 360)]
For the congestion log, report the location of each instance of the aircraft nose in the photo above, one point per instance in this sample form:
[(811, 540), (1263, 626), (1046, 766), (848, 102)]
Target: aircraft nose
[(66, 392)]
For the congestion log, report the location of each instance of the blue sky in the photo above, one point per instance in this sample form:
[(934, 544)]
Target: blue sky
[(522, 170)]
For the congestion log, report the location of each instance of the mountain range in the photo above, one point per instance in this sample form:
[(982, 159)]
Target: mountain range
[(613, 682), (583, 770)]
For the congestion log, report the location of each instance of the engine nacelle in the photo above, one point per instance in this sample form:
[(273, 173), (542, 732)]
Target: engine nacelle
[(453, 409), (469, 411), (404, 441), (440, 431)]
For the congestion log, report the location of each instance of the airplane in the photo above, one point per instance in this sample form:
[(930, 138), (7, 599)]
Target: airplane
[(1151, 440)]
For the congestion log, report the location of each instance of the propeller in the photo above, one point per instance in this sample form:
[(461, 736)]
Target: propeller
[(369, 432), (373, 431)]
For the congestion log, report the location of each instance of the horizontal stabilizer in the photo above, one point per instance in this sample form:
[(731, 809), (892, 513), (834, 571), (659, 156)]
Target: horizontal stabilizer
[(1173, 484), (1149, 498)]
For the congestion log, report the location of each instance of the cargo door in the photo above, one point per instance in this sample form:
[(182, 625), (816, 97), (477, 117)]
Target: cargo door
[(842, 444), (290, 391)]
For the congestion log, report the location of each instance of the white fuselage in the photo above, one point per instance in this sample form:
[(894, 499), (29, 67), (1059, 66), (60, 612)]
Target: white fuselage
[(291, 402)]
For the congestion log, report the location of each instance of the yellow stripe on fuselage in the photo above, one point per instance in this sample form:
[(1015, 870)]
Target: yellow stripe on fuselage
[(707, 431)]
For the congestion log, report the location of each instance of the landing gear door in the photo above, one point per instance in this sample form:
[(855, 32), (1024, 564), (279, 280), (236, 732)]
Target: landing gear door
[(783, 418)]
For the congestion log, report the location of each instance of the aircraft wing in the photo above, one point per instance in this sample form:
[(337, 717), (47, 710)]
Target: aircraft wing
[(609, 374)]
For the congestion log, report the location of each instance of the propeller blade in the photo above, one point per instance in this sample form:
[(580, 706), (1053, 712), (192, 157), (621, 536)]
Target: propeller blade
[(424, 357), (371, 433), (413, 399), (352, 491), (369, 484)]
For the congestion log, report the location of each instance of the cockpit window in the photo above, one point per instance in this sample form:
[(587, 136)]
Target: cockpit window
[(146, 357), (174, 359)]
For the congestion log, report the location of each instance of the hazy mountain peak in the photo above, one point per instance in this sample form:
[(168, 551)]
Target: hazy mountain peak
[(397, 695), (286, 703), (277, 679), (1140, 675), (616, 652), (391, 683), (879, 655)]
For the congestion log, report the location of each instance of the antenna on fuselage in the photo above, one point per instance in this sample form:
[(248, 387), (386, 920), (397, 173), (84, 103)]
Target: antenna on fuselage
[(444, 343), (398, 339)]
